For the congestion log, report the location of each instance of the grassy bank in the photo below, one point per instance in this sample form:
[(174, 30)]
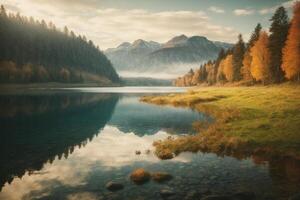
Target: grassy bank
[(248, 120)]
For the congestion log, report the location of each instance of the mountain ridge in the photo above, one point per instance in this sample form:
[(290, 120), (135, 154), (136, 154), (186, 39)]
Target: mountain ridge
[(178, 53)]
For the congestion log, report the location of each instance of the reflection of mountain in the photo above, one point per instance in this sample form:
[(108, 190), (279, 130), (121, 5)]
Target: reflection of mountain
[(39, 128), (141, 118)]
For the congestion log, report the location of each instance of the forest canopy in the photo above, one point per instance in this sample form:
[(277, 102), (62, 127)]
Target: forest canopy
[(267, 58), (36, 51)]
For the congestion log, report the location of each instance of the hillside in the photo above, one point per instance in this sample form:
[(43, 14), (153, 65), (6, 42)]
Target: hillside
[(175, 56), (33, 51)]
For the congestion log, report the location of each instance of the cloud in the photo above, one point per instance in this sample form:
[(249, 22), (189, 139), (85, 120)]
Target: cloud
[(288, 5), (216, 9), (108, 27), (243, 12)]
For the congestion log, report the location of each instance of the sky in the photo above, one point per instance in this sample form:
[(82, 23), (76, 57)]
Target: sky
[(108, 23)]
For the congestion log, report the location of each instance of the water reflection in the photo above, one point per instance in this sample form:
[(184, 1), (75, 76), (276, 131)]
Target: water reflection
[(68, 145), (35, 129), (140, 118)]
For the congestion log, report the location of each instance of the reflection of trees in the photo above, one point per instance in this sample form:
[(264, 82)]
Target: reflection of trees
[(36, 129), (284, 169)]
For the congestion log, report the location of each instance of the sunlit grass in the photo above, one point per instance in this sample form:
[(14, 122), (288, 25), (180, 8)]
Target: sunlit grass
[(245, 117)]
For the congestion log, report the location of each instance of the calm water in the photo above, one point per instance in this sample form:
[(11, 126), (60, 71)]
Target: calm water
[(68, 143)]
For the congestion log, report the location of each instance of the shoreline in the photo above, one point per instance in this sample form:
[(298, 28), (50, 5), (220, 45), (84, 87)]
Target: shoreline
[(249, 121)]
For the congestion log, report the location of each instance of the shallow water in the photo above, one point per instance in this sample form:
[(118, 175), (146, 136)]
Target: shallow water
[(68, 143)]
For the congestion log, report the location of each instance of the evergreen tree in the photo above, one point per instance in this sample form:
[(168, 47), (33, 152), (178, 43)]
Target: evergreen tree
[(40, 52), (254, 36), (237, 58), (277, 38)]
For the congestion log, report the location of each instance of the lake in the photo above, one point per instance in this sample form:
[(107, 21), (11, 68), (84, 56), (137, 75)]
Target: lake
[(68, 143)]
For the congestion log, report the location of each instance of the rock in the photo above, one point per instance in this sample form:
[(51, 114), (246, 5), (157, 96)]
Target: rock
[(295, 197), (244, 196), (165, 154), (140, 176), (137, 152), (161, 176), (114, 186), (217, 197), (166, 192)]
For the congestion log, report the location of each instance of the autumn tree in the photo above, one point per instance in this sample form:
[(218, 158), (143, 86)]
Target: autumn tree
[(228, 69), (210, 69), (237, 58), (260, 65), (220, 57), (220, 74), (246, 69), (278, 34), (291, 51)]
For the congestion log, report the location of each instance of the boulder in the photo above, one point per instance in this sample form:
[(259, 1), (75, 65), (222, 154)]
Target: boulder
[(161, 176), (166, 192), (114, 186), (140, 176)]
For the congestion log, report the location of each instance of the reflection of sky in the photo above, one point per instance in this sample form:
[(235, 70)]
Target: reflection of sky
[(111, 156), (130, 115), (111, 149)]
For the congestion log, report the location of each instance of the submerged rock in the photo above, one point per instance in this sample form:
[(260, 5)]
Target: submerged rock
[(137, 152), (161, 176), (114, 186), (166, 192), (140, 176)]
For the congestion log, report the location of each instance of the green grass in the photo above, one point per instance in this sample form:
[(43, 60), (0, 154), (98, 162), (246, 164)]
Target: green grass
[(246, 119)]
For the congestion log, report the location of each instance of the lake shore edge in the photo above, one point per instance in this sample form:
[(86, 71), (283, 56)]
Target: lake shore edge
[(246, 121)]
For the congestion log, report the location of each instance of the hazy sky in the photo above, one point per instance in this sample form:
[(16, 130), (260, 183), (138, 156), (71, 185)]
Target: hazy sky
[(111, 22)]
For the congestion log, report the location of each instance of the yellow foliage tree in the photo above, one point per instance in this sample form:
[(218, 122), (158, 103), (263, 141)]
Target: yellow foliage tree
[(228, 68), (246, 69), (291, 51), (260, 65), (220, 73)]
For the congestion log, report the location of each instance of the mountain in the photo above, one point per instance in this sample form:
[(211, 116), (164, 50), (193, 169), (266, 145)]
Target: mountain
[(35, 51), (172, 58), (127, 56)]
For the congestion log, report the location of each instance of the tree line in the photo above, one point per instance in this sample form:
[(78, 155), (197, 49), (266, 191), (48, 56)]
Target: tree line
[(36, 51), (267, 58)]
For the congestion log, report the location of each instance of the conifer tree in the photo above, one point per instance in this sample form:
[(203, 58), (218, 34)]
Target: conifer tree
[(237, 58), (278, 34)]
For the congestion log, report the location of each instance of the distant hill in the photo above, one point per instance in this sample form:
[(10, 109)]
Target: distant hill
[(176, 55), (35, 51), (140, 81)]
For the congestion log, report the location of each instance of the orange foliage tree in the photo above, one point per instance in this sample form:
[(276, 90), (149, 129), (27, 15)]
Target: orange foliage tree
[(228, 68), (260, 65), (291, 51), (246, 69)]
